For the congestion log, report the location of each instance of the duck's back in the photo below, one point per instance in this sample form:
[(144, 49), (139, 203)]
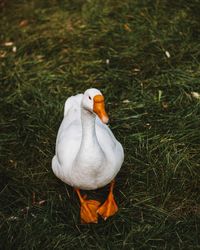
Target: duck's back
[(73, 104)]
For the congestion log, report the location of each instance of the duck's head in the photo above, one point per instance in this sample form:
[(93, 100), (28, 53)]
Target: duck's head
[(93, 101)]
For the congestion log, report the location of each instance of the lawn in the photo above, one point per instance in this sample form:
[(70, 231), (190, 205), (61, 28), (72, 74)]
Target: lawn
[(145, 58)]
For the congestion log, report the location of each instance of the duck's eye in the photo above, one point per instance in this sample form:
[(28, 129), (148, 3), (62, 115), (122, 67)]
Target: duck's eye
[(90, 98)]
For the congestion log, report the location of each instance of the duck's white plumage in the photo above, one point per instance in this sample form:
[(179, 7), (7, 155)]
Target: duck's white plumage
[(88, 156)]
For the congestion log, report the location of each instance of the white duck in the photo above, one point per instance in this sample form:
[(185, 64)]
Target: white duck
[(88, 156)]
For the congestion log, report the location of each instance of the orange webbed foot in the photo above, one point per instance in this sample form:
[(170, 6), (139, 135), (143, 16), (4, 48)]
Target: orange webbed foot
[(108, 208), (88, 211)]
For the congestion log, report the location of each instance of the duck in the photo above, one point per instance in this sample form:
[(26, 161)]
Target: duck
[(87, 154)]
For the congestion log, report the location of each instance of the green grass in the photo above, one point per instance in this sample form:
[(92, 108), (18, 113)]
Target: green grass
[(63, 50)]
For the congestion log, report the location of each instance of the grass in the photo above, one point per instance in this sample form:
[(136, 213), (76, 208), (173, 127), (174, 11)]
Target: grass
[(144, 57)]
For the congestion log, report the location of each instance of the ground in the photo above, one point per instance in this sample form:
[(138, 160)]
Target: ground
[(144, 57)]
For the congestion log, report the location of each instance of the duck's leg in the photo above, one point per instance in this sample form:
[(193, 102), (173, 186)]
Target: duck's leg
[(109, 207), (88, 210)]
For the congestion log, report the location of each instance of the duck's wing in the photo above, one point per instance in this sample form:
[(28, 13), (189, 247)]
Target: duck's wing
[(72, 115), (109, 144), (68, 138), (104, 129), (112, 149)]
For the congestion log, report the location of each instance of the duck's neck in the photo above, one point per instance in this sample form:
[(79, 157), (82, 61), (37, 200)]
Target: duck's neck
[(90, 155), (88, 128)]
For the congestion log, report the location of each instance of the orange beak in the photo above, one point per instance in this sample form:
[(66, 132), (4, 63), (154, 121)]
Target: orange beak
[(99, 108)]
